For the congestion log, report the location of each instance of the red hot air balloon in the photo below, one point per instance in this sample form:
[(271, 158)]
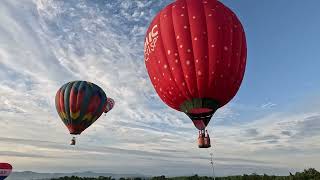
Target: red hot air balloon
[(5, 170), (79, 104), (195, 53)]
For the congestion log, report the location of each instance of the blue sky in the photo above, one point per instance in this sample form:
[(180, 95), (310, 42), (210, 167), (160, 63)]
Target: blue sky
[(282, 46), (282, 52), (271, 126)]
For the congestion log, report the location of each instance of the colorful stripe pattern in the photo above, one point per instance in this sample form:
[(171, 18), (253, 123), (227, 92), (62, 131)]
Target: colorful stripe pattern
[(110, 104), (79, 104), (5, 170)]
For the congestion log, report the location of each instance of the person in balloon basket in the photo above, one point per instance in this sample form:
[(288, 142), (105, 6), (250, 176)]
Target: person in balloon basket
[(207, 140), (201, 138)]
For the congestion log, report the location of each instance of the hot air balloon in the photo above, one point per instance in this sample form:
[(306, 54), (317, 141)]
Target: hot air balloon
[(5, 170), (110, 104), (79, 104), (195, 54)]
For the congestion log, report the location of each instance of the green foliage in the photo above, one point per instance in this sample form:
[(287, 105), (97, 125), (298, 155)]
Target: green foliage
[(159, 178), (83, 178), (307, 174)]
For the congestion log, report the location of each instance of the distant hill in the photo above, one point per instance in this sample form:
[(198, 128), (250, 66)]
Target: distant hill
[(29, 175)]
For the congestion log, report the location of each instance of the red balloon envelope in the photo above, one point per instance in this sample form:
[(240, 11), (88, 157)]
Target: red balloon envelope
[(5, 170), (195, 53)]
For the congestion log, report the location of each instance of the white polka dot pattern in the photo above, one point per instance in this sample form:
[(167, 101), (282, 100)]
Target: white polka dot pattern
[(200, 52)]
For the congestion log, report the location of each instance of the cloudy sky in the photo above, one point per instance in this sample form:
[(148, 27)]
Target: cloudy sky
[(271, 126)]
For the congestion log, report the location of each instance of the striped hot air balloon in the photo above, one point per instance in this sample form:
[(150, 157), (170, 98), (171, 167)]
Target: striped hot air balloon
[(80, 103)]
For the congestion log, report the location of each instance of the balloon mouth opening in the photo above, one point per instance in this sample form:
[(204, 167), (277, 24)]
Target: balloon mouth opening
[(199, 106), (74, 130), (75, 133), (200, 111)]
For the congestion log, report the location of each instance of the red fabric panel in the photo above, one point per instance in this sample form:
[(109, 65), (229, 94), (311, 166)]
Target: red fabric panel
[(93, 104), (80, 97), (61, 97), (57, 101), (73, 99)]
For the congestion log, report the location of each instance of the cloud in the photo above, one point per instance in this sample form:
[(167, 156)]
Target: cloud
[(19, 154), (308, 127), (251, 132), (268, 105), (288, 133)]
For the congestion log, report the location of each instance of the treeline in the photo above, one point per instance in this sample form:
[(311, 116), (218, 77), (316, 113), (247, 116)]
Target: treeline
[(308, 174), (83, 178)]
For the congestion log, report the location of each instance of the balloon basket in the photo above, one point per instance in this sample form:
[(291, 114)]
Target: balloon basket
[(204, 140), (73, 141)]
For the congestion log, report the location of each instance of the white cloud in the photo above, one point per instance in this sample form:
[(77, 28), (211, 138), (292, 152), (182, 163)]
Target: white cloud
[(268, 105)]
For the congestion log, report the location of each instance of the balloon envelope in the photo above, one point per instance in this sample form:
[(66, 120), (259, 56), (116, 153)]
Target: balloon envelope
[(110, 104), (5, 170), (195, 53), (79, 104)]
